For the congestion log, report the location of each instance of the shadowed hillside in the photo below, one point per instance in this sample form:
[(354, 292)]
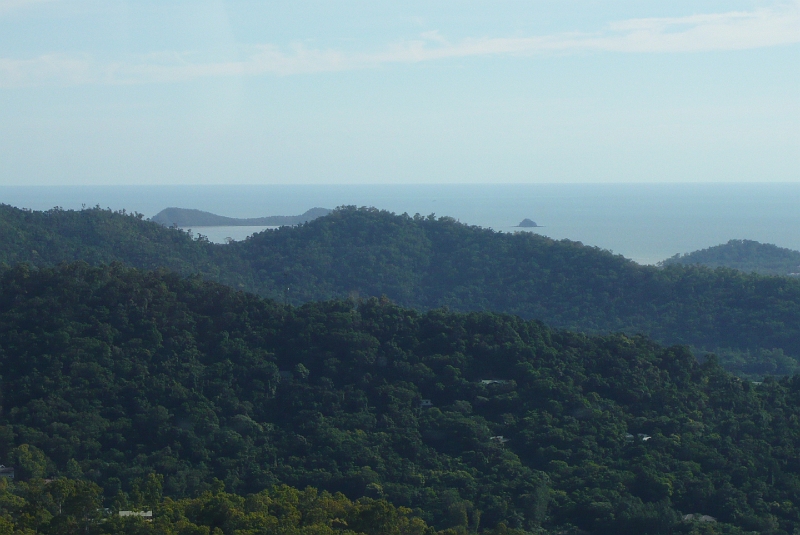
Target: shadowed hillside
[(752, 321), (428, 262)]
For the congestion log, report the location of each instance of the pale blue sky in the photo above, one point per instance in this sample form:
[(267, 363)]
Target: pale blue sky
[(249, 92)]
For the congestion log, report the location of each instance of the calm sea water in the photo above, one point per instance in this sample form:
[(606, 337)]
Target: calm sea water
[(644, 222)]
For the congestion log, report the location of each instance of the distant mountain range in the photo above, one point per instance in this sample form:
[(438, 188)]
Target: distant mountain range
[(187, 217), (744, 255)]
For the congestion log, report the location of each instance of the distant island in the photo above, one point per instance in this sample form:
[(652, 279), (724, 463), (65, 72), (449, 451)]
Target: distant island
[(527, 223), (186, 217)]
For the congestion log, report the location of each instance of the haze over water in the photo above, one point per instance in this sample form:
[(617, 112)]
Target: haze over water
[(643, 222)]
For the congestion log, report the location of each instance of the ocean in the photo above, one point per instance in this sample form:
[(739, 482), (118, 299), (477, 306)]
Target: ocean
[(644, 222)]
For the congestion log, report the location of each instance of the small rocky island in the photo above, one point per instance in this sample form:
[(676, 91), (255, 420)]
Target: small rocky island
[(527, 223)]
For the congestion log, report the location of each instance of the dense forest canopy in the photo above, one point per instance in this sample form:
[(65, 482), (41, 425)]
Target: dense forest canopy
[(744, 255), (752, 322), (98, 237), (111, 375), (65, 506)]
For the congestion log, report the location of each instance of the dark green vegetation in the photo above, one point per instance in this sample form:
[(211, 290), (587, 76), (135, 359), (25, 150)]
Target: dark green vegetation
[(752, 322), (744, 255), (65, 506), (184, 217), (110, 374), (100, 236)]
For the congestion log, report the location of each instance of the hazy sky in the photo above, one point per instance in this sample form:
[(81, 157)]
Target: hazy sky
[(248, 92)]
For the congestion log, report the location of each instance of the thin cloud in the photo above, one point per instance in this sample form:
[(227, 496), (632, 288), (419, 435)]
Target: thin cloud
[(775, 26), (47, 68), (11, 5)]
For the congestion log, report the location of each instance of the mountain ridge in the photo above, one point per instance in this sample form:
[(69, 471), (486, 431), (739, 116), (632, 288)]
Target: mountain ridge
[(752, 322)]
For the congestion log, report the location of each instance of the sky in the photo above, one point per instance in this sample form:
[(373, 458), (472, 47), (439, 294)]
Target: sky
[(360, 92)]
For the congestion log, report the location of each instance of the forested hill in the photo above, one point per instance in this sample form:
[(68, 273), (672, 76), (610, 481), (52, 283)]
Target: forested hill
[(752, 321), (110, 374), (427, 262), (98, 236), (744, 255)]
